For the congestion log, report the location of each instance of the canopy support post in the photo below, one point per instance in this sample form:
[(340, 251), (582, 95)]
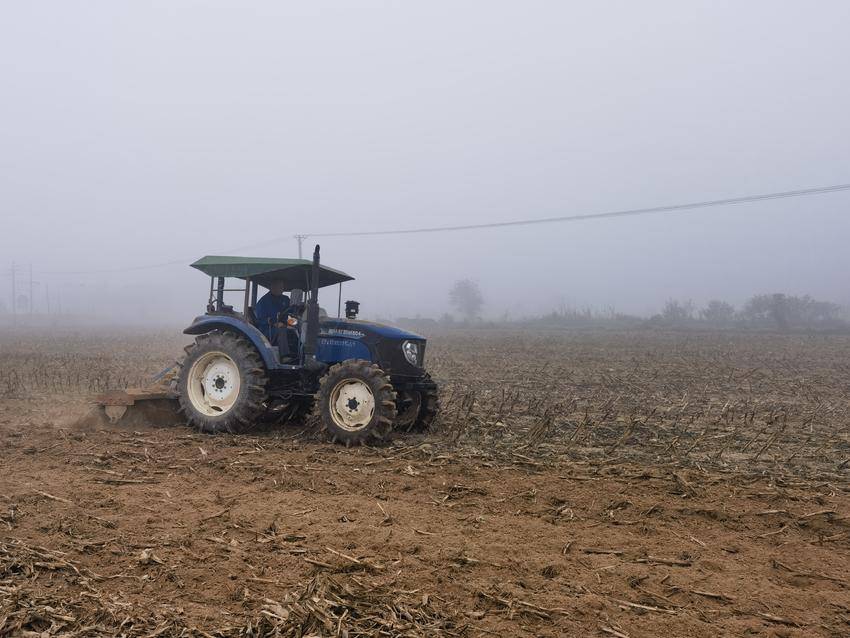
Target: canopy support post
[(339, 302), (219, 295), (247, 297)]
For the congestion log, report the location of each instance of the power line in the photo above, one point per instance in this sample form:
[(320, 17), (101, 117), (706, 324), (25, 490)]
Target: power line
[(617, 213), (805, 192)]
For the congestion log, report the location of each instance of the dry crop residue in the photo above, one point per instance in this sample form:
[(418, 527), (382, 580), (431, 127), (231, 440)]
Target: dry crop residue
[(577, 484)]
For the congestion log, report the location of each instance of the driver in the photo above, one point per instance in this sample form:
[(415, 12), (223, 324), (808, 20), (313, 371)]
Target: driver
[(269, 306)]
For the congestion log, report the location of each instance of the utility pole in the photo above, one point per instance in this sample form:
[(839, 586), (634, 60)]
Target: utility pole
[(47, 297), (300, 239), (14, 298), (30, 291)]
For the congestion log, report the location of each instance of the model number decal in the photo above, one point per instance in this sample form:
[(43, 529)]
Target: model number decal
[(342, 332), (344, 343)]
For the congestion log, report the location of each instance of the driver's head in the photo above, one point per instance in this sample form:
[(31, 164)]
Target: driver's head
[(277, 288)]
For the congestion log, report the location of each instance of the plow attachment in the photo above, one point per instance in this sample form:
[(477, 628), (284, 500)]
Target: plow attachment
[(155, 405)]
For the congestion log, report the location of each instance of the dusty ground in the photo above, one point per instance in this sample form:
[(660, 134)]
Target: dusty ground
[(578, 484)]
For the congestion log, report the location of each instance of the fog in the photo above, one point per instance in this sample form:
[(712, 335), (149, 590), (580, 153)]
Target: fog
[(134, 135)]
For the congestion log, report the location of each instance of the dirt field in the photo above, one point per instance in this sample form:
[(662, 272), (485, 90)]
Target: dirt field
[(577, 484)]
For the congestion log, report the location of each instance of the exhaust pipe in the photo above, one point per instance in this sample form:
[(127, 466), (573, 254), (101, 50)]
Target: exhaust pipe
[(312, 336)]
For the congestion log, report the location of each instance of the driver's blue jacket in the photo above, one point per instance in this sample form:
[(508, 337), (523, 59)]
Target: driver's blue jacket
[(266, 311)]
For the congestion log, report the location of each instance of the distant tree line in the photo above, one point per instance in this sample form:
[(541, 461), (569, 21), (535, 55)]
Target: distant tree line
[(772, 311), (777, 311)]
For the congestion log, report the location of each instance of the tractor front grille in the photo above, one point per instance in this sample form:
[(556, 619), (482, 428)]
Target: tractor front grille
[(392, 360)]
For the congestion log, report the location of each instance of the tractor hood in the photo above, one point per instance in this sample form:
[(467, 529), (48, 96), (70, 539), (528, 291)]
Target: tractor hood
[(354, 328), (341, 339)]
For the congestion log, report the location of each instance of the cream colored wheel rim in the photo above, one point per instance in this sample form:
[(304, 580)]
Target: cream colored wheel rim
[(214, 383), (352, 404)]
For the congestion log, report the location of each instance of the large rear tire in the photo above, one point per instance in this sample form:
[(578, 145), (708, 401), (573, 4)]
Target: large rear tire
[(221, 385), (356, 403)]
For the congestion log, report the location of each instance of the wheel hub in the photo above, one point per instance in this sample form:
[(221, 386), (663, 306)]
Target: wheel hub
[(214, 383), (352, 404), (218, 378)]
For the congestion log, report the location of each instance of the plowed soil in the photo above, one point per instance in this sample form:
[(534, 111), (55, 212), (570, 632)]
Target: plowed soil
[(577, 484)]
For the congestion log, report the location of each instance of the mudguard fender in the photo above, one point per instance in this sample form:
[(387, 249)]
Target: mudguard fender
[(206, 323)]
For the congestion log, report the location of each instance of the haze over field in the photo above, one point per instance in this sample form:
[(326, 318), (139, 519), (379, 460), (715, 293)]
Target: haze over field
[(133, 134)]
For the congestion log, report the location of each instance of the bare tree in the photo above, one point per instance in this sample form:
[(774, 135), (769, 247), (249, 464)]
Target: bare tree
[(466, 298), (677, 312), (718, 312), (788, 311)]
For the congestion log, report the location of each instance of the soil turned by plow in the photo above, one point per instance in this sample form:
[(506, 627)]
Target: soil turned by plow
[(576, 484)]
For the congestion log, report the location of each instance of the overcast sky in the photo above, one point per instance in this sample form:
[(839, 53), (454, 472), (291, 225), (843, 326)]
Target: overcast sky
[(136, 133)]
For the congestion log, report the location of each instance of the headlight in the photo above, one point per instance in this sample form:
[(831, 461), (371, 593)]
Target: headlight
[(411, 352)]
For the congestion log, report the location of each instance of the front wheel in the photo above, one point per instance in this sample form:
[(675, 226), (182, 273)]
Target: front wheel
[(418, 408), (356, 403), (221, 386)]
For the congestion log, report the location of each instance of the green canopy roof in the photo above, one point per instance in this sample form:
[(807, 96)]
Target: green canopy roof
[(295, 273)]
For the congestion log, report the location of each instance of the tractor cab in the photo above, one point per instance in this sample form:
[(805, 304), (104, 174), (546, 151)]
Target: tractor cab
[(252, 275)]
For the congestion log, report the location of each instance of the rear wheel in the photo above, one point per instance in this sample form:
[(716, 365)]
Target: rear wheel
[(221, 385), (356, 403)]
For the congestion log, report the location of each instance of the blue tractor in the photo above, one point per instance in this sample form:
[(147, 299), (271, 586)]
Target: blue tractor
[(360, 380)]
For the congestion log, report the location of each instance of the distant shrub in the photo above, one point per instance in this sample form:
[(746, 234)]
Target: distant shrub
[(718, 312), (677, 312), (787, 312)]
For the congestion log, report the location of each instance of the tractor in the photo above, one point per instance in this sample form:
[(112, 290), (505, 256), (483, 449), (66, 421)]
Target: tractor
[(360, 380)]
